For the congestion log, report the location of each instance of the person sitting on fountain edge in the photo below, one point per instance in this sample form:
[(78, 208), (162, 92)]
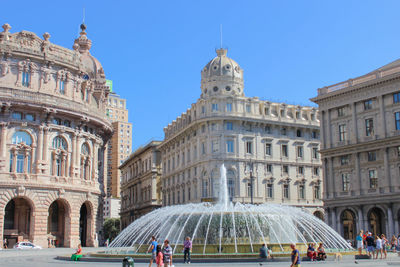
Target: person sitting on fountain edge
[(311, 253), (264, 252)]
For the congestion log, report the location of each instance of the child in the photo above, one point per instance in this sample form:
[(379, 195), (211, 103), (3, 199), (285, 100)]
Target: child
[(159, 258)]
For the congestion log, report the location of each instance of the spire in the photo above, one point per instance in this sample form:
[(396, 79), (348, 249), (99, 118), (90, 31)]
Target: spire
[(221, 52), (84, 43)]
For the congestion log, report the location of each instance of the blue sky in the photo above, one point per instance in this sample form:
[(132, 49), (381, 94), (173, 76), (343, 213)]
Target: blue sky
[(154, 50)]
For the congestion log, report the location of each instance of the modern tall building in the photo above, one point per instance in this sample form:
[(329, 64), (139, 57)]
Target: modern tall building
[(141, 183), (120, 146), (52, 140), (360, 134), (270, 150)]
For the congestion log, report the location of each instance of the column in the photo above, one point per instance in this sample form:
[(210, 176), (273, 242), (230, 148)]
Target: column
[(382, 128), (73, 155), (322, 130), (39, 152), (332, 178), (358, 172), (327, 178), (95, 159), (389, 222), (329, 132), (354, 136), (334, 219), (45, 147), (386, 165), (360, 219), (3, 140)]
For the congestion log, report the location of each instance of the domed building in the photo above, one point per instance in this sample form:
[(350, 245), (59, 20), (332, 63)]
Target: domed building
[(52, 137), (270, 150)]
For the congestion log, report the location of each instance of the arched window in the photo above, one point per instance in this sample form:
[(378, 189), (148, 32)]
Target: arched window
[(204, 186), (85, 162), (20, 153), (59, 157)]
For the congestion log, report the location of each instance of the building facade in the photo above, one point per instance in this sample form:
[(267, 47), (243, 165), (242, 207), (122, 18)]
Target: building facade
[(360, 126), (141, 183), (120, 146), (111, 207), (270, 150), (52, 140)]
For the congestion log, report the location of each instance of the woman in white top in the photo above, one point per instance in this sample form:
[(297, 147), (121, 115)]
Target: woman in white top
[(378, 246)]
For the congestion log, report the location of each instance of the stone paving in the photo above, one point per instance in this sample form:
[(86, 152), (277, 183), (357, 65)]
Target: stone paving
[(45, 258)]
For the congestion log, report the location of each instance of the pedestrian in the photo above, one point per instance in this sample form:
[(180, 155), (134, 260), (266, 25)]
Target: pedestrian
[(167, 252), (160, 257), (378, 248), (359, 240), (153, 250), (5, 245), (187, 250), (385, 244), (370, 244), (393, 243), (295, 256)]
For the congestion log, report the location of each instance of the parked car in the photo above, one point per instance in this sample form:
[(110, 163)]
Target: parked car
[(26, 245)]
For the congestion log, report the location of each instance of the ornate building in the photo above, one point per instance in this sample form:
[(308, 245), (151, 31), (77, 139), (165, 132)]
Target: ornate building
[(53, 131), (140, 183), (270, 150), (360, 135)]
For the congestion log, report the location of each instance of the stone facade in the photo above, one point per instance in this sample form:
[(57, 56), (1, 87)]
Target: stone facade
[(111, 208), (270, 150), (360, 134), (53, 132), (140, 183)]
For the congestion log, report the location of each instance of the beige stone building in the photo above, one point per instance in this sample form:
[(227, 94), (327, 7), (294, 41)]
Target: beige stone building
[(52, 135), (141, 183), (270, 150), (360, 134), (120, 145)]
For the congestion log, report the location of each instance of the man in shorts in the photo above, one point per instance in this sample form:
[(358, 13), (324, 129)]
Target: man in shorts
[(295, 256), (153, 250), (370, 244)]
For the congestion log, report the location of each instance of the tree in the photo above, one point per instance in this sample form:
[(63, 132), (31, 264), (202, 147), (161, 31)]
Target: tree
[(111, 228)]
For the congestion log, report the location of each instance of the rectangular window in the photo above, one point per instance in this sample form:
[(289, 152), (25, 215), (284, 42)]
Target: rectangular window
[(345, 182), (229, 107), (314, 135), (20, 163), (17, 115), (397, 120), (342, 132), (344, 160), (341, 111), (249, 147), (286, 191), (249, 189), (267, 129), (269, 168), (373, 179), (316, 171), (62, 89), (300, 151), (285, 151), (302, 193), (368, 104), (317, 192), (25, 79), (270, 190), (203, 148), (372, 156), (268, 149), (315, 154), (369, 127), (229, 146), (301, 170), (203, 109), (248, 108), (283, 131), (285, 169), (396, 97), (229, 126), (214, 107)]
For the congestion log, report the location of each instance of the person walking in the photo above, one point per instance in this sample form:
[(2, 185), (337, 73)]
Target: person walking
[(167, 252), (370, 245), (385, 244), (187, 250), (359, 240), (153, 250), (378, 249), (160, 257), (295, 256), (393, 243), (5, 245)]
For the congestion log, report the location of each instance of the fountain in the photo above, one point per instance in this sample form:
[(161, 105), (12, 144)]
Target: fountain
[(227, 228)]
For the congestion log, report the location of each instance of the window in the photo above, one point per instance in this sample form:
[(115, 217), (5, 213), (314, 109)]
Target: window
[(17, 115), (229, 146), (249, 147), (267, 129), (268, 149), (214, 107), (286, 191), (57, 121), (204, 188), (317, 192), (231, 187), (368, 104), (284, 151), (249, 189), (316, 171), (59, 142), (300, 151), (314, 135), (229, 126), (25, 79), (315, 154), (396, 97), (203, 109), (269, 168), (62, 89), (301, 170), (203, 128), (372, 156), (213, 126), (344, 160), (341, 111), (203, 148), (342, 132), (29, 117), (369, 127), (285, 169), (298, 133), (297, 115), (229, 107), (345, 182), (270, 190), (397, 120), (283, 131), (373, 180), (21, 137), (302, 193), (248, 108)]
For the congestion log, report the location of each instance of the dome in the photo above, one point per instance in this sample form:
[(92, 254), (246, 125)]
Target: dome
[(222, 75)]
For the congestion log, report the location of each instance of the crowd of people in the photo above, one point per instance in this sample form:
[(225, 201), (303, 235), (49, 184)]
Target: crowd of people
[(376, 245), (162, 255)]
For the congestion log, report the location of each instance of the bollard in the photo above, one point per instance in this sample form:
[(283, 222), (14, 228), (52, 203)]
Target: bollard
[(128, 262)]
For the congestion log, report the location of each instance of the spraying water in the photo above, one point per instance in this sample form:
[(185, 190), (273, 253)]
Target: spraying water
[(223, 198)]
